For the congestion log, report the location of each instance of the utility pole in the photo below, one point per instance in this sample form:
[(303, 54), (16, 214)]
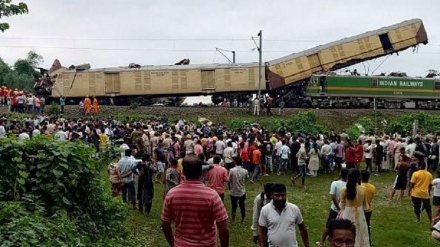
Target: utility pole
[(260, 34)]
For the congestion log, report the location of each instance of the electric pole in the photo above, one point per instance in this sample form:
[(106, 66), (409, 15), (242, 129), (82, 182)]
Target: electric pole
[(260, 34)]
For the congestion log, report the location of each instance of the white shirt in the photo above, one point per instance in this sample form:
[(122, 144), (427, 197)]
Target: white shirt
[(234, 149), (281, 226), (2, 132), (436, 185), (278, 146), (368, 151), (335, 189), (227, 154), (24, 136), (123, 147), (410, 149), (60, 135), (285, 151), (219, 146), (35, 133), (211, 162)]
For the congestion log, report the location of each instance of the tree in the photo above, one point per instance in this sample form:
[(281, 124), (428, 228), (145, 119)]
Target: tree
[(28, 65), (4, 70), (23, 73), (8, 9)]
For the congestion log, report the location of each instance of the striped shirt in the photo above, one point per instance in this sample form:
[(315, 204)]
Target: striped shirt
[(195, 209)]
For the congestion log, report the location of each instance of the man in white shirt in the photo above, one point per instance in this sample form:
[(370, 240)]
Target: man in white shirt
[(411, 147), (24, 135), (60, 135), (278, 219), (335, 193), (257, 106), (219, 147), (227, 155), (436, 198)]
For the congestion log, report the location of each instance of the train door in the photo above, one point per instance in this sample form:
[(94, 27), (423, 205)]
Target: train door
[(112, 83), (208, 80), (322, 82), (386, 43)]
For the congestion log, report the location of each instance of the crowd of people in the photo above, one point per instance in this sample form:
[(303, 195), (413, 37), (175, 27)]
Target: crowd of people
[(19, 101), (22, 102), (196, 162)]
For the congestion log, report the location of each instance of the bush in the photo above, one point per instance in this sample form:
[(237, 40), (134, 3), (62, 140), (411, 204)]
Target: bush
[(49, 186), (305, 122), (134, 105), (53, 109)]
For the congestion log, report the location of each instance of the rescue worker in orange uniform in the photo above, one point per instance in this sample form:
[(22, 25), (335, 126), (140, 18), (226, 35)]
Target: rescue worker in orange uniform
[(95, 106), (87, 105)]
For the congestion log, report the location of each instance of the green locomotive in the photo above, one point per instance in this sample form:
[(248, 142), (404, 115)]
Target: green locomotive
[(373, 91)]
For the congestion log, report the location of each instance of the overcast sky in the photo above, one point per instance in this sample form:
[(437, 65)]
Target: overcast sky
[(107, 33)]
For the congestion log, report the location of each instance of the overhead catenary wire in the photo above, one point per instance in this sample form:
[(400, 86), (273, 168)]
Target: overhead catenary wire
[(156, 39), (165, 49)]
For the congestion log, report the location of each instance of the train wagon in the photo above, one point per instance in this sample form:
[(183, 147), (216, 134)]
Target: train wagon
[(125, 84), (345, 52), (373, 91)]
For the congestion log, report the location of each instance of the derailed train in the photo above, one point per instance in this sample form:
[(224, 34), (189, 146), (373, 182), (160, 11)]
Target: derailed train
[(285, 76)]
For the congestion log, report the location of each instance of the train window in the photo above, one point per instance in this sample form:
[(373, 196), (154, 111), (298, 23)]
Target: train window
[(386, 43), (375, 82), (437, 85)]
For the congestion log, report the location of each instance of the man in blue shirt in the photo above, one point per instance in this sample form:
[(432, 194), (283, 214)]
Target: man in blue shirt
[(126, 165), (62, 103)]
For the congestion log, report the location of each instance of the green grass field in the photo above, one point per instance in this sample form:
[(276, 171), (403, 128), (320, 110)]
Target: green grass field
[(393, 223)]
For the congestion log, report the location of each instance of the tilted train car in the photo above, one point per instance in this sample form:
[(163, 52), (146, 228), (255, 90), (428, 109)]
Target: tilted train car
[(365, 91), (234, 81), (345, 52), (126, 84)]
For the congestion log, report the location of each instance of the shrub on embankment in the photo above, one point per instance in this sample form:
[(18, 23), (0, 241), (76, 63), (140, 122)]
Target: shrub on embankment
[(52, 194)]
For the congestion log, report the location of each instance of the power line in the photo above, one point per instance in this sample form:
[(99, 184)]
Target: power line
[(160, 50), (157, 39), (123, 49)]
